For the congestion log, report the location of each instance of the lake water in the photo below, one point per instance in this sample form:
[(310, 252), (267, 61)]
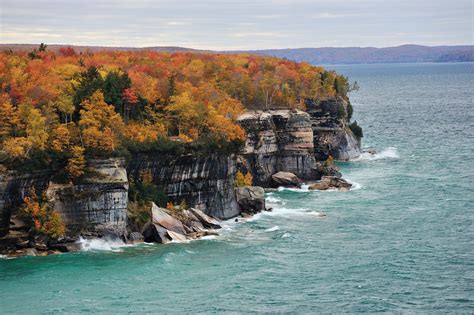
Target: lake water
[(402, 241)]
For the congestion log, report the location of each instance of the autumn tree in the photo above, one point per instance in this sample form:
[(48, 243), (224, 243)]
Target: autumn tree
[(76, 163), (100, 124)]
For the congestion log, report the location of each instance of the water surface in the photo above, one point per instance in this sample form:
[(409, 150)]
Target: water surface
[(401, 242)]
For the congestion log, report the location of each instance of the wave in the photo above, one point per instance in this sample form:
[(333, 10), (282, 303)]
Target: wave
[(102, 244), (388, 153), (273, 228)]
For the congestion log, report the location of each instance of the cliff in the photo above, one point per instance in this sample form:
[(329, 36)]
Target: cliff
[(332, 135), (206, 183), (98, 204), (278, 140)]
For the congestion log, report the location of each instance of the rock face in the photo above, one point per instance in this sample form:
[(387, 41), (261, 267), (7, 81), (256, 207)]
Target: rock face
[(13, 188), (251, 199), (205, 183), (99, 203), (332, 135), (278, 140)]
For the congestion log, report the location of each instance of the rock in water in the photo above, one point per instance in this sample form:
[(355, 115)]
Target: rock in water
[(327, 182), (176, 236), (207, 221), (250, 198), (161, 217), (155, 233), (286, 179)]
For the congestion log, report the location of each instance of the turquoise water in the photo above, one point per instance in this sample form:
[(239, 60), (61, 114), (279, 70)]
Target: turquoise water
[(403, 241)]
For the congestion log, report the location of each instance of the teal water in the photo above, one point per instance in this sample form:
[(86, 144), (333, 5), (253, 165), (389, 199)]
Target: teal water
[(403, 241)]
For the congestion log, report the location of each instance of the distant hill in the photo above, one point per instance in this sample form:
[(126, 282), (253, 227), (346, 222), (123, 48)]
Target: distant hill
[(324, 55), (354, 55)]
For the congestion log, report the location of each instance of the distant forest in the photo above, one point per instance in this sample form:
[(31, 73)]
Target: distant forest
[(327, 55)]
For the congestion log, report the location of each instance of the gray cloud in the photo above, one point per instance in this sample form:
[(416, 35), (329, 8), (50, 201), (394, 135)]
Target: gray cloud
[(237, 24)]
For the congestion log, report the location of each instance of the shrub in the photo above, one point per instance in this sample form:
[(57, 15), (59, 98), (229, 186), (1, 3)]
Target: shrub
[(242, 180), (42, 218), (356, 130), (138, 215)]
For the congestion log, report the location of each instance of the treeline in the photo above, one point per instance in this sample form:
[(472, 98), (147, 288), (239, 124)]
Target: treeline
[(65, 107)]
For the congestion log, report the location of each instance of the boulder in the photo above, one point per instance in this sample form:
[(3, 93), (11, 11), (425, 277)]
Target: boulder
[(136, 237), (327, 182), (250, 198), (286, 179), (177, 236), (193, 223), (155, 233), (208, 221), (161, 217)]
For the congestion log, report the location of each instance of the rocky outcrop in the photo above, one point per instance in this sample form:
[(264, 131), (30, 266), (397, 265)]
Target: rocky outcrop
[(278, 140), (179, 225), (331, 182), (286, 179), (97, 204), (251, 199), (205, 183), (332, 136)]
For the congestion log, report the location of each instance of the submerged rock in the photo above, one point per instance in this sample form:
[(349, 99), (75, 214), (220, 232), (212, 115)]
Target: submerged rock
[(328, 182), (250, 198), (286, 179)]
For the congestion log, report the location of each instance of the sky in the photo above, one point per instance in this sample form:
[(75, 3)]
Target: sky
[(237, 24)]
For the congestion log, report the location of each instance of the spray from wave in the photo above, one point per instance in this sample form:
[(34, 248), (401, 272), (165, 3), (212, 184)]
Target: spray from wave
[(388, 153), (102, 244)]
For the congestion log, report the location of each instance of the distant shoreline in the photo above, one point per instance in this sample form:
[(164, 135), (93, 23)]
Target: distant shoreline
[(319, 56)]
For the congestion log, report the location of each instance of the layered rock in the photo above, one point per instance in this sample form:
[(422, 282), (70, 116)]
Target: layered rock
[(278, 140), (205, 183), (98, 204), (330, 124), (14, 188)]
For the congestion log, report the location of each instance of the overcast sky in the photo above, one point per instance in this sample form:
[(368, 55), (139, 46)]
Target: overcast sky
[(237, 24)]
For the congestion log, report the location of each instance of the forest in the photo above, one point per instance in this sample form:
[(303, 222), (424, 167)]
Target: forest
[(60, 108)]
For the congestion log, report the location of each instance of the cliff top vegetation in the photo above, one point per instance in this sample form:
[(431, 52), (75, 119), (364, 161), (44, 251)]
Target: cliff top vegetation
[(59, 108)]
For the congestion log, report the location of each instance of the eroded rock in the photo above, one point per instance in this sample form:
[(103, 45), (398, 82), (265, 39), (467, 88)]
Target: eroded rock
[(250, 198), (286, 179), (330, 182)]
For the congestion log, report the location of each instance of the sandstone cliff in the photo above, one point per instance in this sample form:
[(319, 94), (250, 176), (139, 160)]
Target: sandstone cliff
[(278, 140), (332, 136)]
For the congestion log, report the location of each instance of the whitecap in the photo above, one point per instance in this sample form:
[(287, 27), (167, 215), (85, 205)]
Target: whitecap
[(388, 153), (3, 257), (286, 235), (102, 244), (273, 228), (272, 199)]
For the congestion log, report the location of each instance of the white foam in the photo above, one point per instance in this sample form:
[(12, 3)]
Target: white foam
[(272, 199), (273, 228), (102, 244), (388, 153), (304, 188), (3, 257)]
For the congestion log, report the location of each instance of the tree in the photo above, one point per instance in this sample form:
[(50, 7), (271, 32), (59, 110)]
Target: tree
[(77, 163), (88, 82), (99, 124), (114, 85)]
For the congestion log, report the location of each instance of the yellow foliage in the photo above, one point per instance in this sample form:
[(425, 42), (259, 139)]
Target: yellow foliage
[(142, 133), (61, 138), (170, 206), (77, 163), (43, 219), (100, 124), (242, 180), (17, 148)]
